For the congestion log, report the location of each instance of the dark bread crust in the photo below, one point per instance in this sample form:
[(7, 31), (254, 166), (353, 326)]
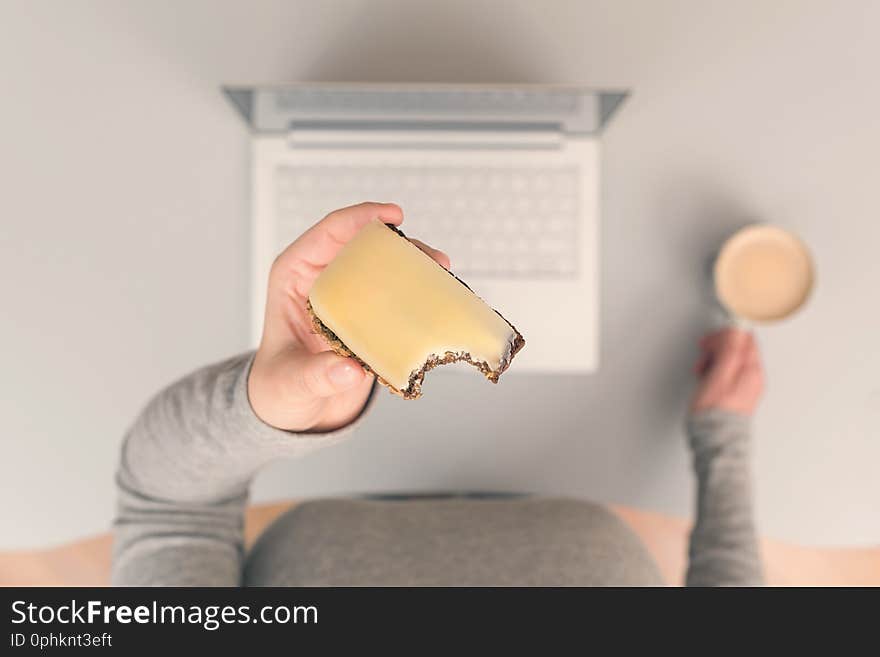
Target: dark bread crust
[(414, 386)]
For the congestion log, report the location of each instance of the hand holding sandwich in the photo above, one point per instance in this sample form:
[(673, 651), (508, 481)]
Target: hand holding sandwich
[(297, 382)]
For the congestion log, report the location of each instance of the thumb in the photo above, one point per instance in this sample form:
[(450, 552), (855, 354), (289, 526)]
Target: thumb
[(325, 374)]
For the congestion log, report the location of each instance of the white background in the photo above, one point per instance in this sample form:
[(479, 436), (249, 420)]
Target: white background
[(124, 241)]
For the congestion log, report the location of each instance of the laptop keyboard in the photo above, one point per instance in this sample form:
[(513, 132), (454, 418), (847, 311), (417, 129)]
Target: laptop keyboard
[(499, 222)]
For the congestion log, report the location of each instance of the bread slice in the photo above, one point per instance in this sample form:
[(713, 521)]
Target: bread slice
[(391, 307)]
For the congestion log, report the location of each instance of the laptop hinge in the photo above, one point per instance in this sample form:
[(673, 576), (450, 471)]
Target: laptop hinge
[(423, 134)]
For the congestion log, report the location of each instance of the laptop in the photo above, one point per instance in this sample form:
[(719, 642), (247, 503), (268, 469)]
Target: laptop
[(504, 179)]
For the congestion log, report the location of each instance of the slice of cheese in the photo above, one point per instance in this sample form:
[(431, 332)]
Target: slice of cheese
[(385, 302)]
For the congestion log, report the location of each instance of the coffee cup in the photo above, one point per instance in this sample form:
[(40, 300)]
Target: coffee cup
[(763, 274)]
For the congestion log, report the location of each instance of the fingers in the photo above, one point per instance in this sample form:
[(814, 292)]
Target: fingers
[(320, 243), (724, 349), (702, 364), (730, 371), (752, 371), (725, 358), (441, 258), (324, 374), (712, 341), (753, 357), (708, 344), (342, 224)]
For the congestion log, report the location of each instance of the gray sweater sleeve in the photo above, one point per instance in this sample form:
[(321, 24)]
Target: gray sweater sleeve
[(723, 544), (183, 479)]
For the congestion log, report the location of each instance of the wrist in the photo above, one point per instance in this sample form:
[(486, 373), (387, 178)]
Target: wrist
[(260, 393), (714, 429)]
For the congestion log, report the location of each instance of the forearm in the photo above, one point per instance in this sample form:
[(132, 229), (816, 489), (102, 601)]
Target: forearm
[(723, 544), (183, 479)]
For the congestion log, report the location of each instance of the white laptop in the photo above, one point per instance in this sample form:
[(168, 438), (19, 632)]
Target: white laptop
[(505, 179)]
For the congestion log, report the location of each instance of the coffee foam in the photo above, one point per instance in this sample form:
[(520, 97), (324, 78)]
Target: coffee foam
[(763, 273)]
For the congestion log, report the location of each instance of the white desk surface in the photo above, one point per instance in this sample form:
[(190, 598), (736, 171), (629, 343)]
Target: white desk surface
[(124, 250)]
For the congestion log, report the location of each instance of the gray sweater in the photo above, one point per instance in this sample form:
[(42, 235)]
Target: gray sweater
[(188, 461)]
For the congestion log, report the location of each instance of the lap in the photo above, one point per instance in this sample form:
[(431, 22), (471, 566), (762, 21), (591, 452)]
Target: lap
[(454, 541)]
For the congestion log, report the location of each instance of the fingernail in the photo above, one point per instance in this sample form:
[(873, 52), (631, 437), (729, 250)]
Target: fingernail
[(342, 374)]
